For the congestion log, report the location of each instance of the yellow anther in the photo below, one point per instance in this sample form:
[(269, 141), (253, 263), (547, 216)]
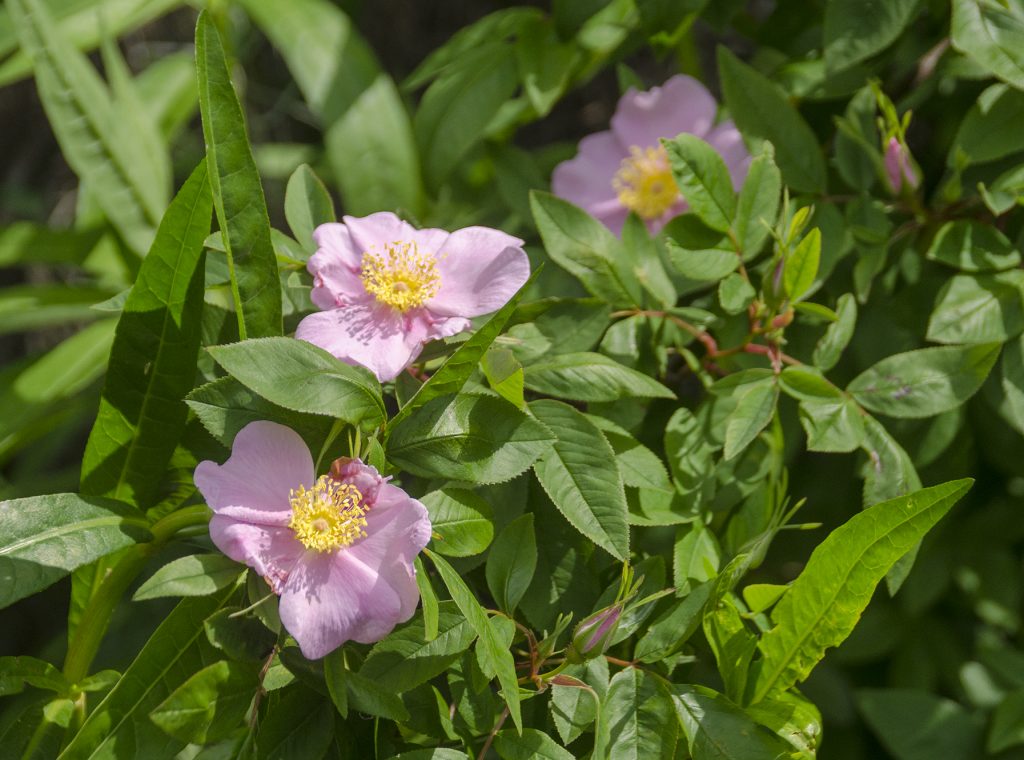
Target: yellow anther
[(644, 182), (401, 276), (328, 516)]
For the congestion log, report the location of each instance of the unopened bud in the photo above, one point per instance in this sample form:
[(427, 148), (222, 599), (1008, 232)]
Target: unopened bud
[(898, 170), (593, 635)]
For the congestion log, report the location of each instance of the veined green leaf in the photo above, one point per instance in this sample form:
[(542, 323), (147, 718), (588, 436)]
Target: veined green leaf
[(307, 205), (46, 537), (237, 192), (211, 704), (993, 35), (194, 575), (461, 521), (587, 376), (837, 335), (717, 729), (636, 717), (153, 359), (704, 180), (531, 744), (511, 562), (825, 602), (758, 203), (802, 265), (576, 475), (30, 307), (979, 308), (853, 32)]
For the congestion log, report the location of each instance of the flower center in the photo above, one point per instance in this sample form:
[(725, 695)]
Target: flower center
[(328, 516), (401, 277), (644, 182)]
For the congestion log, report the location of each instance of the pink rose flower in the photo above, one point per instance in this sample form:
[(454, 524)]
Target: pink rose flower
[(337, 549), (386, 288), (898, 169), (626, 169)]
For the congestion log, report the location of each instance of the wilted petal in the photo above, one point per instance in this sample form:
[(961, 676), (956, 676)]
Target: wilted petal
[(267, 461), (374, 336), (682, 104), (270, 551), (481, 269)]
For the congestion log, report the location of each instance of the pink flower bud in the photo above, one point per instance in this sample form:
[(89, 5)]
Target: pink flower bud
[(593, 635), (898, 169)]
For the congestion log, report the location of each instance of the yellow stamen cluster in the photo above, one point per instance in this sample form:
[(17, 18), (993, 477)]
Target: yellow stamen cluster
[(401, 276), (644, 182), (328, 516)]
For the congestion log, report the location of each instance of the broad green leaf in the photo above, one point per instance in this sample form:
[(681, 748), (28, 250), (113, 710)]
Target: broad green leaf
[(18, 672), (404, 659), (461, 521), (837, 335), (238, 635), (825, 602), (979, 308), (647, 265), (752, 413), (99, 146), (760, 596), (585, 248), (31, 307), (301, 725), (973, 247), (638, 465), (512, 562), (993, 35), (575, 475), (237, 192), (758, 203), (46, 537), (696, 556), (478, 439), (504, 374), (457, 368), (1007, 728), (793, 718), (304, 378), (916, 725), (211, 704), (1012, 381), (801, 266), (545, 63), (703, 179), (989, 130), (889, 471), (153, 359), (853, 32), (194, 575), (735, 293), (574, 708), (717, 729), (428, 601), (176, 650), (763, 112), (925, 382), (307, 205), (530, 744), (493, 655), (169, 91), (636, 717), (590, 376), (704, 265), (336, 676), (456, 109), (834, 425)]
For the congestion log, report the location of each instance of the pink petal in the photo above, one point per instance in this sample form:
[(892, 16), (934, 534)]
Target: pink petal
[(267, 461), (682, 104), (334, 238), (369, 335), (728, 141), (586, 180), (481, 269), (270, 551), (335, 283), (374, 232)]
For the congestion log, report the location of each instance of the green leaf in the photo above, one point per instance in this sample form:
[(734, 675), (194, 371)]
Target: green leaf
[(838, 334), (31, 307), (801, 266), (336, 676), (835, 425), (576, 477), (854, 32), (457, 368), (461, 521), (716, 729), (638, 465), (98, 145), (304, 378), (494, 655), (916, 725), (237, 192), (762, 112), (991, 34), (369, 697), (457, 107), (695, 556), (673, 628), (925, 382), (1012, 381), (511, 562), (194, 575), (752, 413), (511, 745), (176, 650), (760, 596), (989, 130), (504, 374), (973, 247), (404, 659), (1007, 728), (585, 248), (153, 359), (704, 265), (307, 205), (18, 672), (46, 537), (587, 376), (428, 601), (758, 204), (240, 636), (735, 293), (979, 308), (703, 179), (478, 439), (211, 704), (301, 725), (824, 603), (636, 717), (545, 63)]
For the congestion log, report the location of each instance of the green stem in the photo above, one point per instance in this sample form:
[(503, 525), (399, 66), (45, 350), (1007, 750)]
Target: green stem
[(96, 617)]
